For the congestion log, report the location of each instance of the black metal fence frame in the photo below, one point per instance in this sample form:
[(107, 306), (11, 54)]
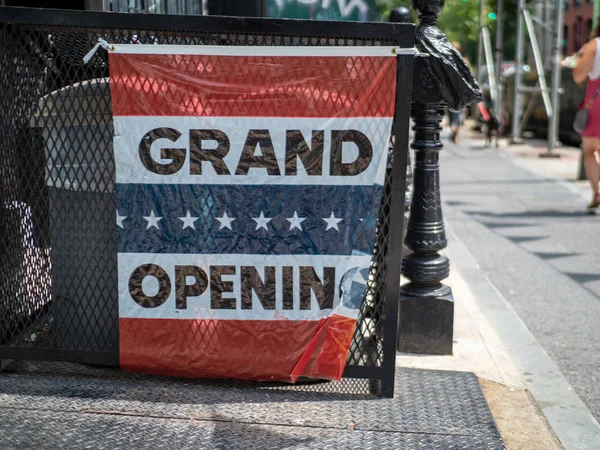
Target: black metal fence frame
[(306, 33)]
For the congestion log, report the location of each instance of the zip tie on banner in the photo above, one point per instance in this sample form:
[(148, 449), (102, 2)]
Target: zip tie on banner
[(101, 43)]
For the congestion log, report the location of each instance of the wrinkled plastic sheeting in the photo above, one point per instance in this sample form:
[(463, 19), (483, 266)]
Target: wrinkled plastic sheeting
[(281, 350), (264, 220), (448, 69)]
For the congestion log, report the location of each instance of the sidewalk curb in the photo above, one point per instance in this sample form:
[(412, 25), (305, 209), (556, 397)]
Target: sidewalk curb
[(518, 418), (566, 414)]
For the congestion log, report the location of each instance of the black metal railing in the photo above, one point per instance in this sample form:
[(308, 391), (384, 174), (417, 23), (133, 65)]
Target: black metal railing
[(58, 288)]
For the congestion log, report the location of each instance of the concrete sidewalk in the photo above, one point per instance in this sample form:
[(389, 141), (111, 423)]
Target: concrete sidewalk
[(532, 403), (440, 402), (478, 349), (530, 154)]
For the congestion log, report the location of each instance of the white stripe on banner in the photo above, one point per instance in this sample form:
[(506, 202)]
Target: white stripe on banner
[(221, 50), (222, 281), (138, 143)]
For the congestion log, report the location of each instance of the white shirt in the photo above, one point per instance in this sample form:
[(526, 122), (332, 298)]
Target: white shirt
[(595, 72)]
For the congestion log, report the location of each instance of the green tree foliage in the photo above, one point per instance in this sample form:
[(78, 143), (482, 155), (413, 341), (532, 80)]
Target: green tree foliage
[(460, 21)]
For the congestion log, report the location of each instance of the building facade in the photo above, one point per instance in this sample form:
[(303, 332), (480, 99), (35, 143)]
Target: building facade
[(578, 24), (356, 10)]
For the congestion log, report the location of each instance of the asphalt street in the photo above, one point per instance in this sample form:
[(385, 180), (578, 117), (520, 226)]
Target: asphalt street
[(537, 245)]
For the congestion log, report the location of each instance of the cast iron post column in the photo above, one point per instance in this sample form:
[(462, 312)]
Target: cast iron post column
[(426, 305), (402, 15)]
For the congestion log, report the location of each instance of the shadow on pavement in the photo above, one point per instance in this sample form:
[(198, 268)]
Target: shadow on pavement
[(550, 213), (255, 435), (549, 256), (488, 181), (583, 277), (80, 381)]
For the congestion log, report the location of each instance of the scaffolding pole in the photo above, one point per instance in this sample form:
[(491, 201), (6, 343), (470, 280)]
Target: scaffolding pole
[(550, 95), (479, 41), (539, 64), (489, 62), (516, 137), (499, 58), (556, 75)]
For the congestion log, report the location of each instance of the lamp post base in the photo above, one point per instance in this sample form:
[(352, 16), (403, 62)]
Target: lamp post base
[(426, 321)]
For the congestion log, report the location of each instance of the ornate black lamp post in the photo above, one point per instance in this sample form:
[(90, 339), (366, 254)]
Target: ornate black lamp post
[(426, 305)]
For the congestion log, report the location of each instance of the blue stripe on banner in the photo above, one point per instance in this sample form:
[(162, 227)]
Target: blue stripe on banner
[(247, 219)]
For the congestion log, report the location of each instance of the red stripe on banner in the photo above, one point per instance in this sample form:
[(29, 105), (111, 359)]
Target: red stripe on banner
[(255, 86), (281, 350)]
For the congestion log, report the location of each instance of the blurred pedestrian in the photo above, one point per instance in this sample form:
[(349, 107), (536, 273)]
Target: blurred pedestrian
[(588, 67), (457, 118), (456, 121)]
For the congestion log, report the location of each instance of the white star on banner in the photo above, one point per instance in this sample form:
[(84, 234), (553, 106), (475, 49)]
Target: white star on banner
[(120, 219), (261, 221), (152, 220), (295, 221), (225, 221), (332, 222), (188, 221)]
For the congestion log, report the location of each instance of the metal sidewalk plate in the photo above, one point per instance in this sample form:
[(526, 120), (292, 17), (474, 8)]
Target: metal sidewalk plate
[(61, 405)]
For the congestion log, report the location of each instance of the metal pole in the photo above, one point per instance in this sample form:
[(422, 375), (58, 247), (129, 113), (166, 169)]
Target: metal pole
[(539, 64), (518, 62), (556, 73), (499, 58), (489, 61), (548, 32), (426, 317), (545, 18), (480, 39)]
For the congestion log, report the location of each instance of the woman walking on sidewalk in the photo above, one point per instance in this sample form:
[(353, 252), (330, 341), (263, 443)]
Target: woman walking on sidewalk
[(588, 66)]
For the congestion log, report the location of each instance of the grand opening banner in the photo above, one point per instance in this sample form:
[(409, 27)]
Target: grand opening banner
[(249, 181)]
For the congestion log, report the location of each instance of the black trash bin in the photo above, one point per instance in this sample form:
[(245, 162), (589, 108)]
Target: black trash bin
[(76, 125)]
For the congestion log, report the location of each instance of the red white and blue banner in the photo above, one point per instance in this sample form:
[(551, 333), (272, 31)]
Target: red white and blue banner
[(249, 181)]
